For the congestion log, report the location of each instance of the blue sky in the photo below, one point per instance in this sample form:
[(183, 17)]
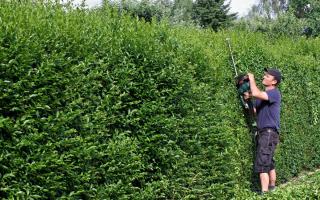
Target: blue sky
[(240, 6)]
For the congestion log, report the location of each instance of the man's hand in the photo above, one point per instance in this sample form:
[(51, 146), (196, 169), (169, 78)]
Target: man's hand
[(250, 76), (255, 91)]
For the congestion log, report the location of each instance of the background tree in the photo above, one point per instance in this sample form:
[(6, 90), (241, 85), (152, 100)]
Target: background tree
[(300, 7), (308, 10), (212, 13), (269, 8), (182, 11), (144, 9), (284, 17)]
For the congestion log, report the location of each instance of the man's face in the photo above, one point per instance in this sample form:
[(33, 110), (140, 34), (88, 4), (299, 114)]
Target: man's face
[(268, 80)]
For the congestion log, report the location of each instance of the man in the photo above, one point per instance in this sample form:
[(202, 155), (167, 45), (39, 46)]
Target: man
[(267, 109)]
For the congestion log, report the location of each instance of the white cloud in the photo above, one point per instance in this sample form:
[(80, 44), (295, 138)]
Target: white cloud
[(242, 7)]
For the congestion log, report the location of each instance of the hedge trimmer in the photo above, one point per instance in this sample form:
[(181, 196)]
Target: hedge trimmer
[(242, 80), (243, 86)]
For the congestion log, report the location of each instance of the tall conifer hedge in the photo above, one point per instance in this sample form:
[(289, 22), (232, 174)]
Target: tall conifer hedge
[(94, 105)]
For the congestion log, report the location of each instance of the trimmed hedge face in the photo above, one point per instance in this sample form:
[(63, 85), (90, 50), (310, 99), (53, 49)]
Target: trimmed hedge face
[(97, 105)]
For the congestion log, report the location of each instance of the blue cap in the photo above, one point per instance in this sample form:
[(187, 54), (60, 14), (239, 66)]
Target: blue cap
[(274, 72)]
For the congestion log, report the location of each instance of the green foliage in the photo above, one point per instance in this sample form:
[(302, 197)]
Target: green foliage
[(212, 14), (182, 12), (188, 13), (308, 10), (269, 8), (97, 105), (297, 18), (301, 7), (286, 24), (305, 187), (145, 10)]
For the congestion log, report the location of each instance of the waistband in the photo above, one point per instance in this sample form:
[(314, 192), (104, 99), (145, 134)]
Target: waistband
[(268, 129)]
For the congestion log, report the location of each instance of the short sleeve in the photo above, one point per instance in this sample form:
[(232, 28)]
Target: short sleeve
[(274, 96)]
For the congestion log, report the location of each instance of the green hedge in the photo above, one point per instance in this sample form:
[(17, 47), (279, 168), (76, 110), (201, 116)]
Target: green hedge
[(97, 105)]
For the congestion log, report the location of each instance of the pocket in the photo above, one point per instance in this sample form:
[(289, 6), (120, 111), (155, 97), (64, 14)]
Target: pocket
[(265, 156)]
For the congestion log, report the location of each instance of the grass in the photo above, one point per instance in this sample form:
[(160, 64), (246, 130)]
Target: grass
[(304, 186)]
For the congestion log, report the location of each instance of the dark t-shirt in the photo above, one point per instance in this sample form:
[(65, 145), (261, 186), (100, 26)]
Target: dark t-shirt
[(268, 112)]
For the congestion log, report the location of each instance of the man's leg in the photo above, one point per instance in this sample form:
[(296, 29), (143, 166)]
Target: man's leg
[(264, 180), (272, 172), (272, 179)]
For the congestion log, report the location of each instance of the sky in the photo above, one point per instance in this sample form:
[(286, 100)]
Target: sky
[(240, 6)]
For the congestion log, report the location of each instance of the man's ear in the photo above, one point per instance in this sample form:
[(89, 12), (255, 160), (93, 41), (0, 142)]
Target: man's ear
[(274, 82)]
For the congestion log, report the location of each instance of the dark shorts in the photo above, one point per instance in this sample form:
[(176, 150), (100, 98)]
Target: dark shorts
[(267, 141)]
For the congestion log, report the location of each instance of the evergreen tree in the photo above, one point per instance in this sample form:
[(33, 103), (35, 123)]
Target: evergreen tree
[(212, 13)]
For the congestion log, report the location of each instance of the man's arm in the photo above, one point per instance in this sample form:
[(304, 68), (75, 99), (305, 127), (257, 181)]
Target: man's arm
[(255, 91)]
